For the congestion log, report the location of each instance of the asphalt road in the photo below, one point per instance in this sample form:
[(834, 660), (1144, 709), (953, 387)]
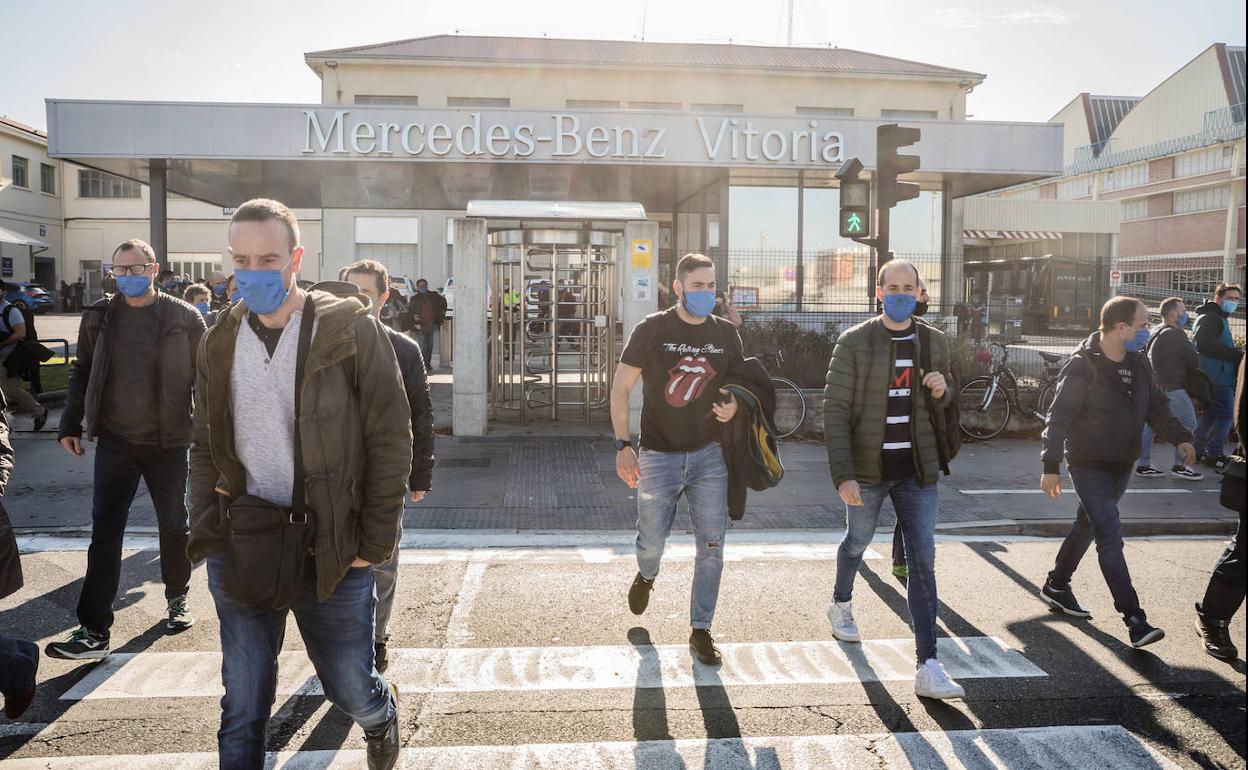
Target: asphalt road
[(523, 657)]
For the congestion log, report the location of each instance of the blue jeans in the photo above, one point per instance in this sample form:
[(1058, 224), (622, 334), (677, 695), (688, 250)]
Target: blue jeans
[(1099, 492), (916, 507), (19, 660), (702, 476), (338, 634), (1181, 407), (1215, 422)]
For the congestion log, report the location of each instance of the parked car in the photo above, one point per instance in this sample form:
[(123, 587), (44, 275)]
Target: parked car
[(402, 286), (448, 291), (29, 295)]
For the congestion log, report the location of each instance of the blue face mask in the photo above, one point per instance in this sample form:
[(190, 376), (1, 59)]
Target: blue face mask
[(422, 289), (134, 285), (899, 307), (219, 290), (1228, 305), (1137, 343), (699, 303), (264, 291), (1183, 319), (203, 307)]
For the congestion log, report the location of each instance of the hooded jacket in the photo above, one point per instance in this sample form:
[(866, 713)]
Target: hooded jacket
[(1215, 345), (1092, 420), (355, 435), (748, 440)]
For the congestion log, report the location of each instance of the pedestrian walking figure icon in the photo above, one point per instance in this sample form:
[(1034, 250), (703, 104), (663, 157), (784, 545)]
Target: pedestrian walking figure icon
[(854, 223)]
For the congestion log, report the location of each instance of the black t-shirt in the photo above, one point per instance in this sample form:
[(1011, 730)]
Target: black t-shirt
[(682, 368), (1127, 375), (270, 337), (897, 454)]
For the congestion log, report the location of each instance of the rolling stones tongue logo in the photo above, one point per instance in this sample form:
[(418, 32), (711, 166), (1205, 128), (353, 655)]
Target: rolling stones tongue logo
[(687, 379)]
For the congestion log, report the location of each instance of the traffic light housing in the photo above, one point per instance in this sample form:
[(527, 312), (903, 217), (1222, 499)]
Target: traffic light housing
[(855, 195), (889, 164)]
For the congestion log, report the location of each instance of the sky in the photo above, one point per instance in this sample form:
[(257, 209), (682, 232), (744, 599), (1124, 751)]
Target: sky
[(1037, 55)]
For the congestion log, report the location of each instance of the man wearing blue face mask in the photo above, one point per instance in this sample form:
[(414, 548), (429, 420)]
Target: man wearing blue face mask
[(882, 445), (1105, 393), (1219, 358), (132, 383), (1173, 361), (682, 355)]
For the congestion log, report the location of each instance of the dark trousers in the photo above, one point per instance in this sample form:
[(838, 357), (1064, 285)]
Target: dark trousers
[(19, 660), (1225, 593), (1097, 520), (425, 337), (118, 467)]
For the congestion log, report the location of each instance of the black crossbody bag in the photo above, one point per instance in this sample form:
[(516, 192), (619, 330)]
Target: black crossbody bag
[(268, 546)]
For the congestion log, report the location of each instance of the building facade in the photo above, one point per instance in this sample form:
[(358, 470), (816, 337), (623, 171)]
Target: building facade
[(31, 220)]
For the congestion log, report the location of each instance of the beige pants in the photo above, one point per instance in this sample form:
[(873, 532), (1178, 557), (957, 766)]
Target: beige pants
[(19, 399)]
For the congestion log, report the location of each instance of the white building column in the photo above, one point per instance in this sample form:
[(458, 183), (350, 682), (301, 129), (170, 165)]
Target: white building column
[(638, 269), (470, 407), (1230, 271)]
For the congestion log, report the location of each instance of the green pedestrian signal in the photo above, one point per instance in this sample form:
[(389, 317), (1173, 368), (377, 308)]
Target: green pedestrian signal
[(854, 223)]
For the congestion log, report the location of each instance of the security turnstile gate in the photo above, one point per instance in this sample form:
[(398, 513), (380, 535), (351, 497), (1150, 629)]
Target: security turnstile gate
[(552, 322)]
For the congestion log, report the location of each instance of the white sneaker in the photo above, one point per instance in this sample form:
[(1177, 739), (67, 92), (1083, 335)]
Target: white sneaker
[(931, 681), (841, 616)]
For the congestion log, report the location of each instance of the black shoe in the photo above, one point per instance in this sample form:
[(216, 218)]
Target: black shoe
[(41, 420), (639, 594), (1142, 633), (704, 648), (381, 657), (383, 744), (82, 644), (1062, 600), (1216, 635), (180, 618)]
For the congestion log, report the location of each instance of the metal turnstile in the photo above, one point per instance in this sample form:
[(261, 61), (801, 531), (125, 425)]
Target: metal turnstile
[(552, 322)]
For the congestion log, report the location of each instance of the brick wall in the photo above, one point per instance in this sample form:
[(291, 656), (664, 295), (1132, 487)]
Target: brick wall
[(1183, 234)]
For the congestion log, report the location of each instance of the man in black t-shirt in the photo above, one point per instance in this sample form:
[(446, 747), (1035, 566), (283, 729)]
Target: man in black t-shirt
[(682, 356)]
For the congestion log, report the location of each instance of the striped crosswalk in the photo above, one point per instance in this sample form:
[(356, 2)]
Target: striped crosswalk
[(446, 678)]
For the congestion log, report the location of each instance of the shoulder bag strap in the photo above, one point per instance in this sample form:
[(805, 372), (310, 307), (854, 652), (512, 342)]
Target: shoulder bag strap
[(297, 511)]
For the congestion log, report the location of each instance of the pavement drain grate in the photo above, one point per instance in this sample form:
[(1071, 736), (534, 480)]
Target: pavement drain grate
[(465, 462), (554, 475)]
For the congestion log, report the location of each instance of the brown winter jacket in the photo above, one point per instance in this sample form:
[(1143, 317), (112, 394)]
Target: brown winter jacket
[(355, 432)]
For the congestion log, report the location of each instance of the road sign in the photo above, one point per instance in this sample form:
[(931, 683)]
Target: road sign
[(1115, 277)]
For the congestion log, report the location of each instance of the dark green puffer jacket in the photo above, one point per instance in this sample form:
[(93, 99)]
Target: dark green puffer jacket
[(855, 403)]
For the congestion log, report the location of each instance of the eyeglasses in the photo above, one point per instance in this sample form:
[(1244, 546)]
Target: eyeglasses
[(132, 269)]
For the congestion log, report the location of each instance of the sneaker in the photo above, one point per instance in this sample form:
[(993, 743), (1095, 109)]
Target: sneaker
[(841, 616), (1186, 472), (704, 648), (1142, 633), (1062, 600), (180, 617), (1216, 636), (639, 594), (383, 743), (932, 681), (1148, 472), (901, 572), (1212, 461), (82, 644), (381, 656), (41, 420)]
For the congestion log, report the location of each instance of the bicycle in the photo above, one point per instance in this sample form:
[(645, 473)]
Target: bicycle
[(987, 400), (784, 426)]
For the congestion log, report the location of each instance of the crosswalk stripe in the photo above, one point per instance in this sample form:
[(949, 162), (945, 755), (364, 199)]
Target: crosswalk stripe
[(1038, 748), (197, 674)]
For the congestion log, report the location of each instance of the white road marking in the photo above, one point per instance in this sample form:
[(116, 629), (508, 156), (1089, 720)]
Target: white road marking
[(1041, 491), (197, 674), (1102, 747), (458, 632)]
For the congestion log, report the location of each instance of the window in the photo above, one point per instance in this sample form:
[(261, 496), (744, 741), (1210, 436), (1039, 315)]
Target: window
[(393, 101), (21, 172), (1204, 161), (908, 114), (47, 178), (1126, 177), (1133, 279), (1195, 281), (1069, 189), (593, 104), (1205, 199), (827, 112), (478, 101), (97, 184), (716, 107), (1135, 209), (675, 106)]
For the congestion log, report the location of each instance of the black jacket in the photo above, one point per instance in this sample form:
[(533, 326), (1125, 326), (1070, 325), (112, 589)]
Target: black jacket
[(10, 563), (416, 383), (1093, 422), (418, 300), (748, 440), (181, 327), (1173, 360)]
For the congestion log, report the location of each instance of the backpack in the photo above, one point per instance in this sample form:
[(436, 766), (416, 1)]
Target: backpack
[(946, 422)]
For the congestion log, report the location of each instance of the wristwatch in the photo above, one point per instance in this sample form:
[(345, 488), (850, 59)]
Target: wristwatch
[(622, 443)]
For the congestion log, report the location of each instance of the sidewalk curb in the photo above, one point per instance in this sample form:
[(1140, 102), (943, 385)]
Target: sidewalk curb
[(1059, 527)]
